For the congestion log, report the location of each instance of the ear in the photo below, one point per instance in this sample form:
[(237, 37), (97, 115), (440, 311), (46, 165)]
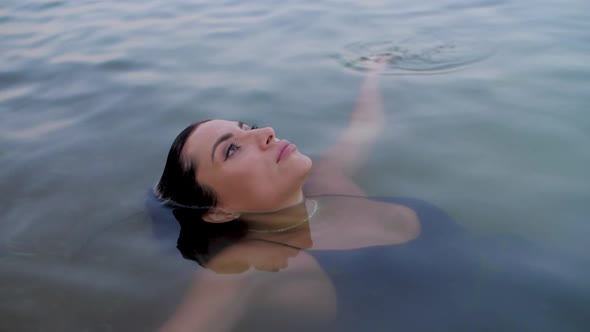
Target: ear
[(216, 215)]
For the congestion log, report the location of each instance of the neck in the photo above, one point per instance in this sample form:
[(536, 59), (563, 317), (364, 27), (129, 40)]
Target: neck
[(277, 220), (288, 227)]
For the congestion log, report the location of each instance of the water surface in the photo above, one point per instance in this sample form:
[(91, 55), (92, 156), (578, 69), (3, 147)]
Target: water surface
[(92, 94)]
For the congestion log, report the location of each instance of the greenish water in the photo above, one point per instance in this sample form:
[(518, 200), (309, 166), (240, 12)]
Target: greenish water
[(487, 118)]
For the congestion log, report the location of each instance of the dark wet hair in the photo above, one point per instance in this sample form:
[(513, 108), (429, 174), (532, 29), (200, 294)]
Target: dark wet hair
[(179, 189), (201, 241), (178, 186)]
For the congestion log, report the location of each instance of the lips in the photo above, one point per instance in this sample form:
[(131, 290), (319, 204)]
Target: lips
[(285, 148)]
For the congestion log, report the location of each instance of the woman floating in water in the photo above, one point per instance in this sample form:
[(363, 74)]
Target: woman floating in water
[(242, 182), (228, 172), (249, 202)]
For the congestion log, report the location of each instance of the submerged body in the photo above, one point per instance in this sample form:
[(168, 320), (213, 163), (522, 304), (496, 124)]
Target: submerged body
[(249, 203), (446, 279)]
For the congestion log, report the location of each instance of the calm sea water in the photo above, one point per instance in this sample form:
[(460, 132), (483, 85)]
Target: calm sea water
[(487, 118)]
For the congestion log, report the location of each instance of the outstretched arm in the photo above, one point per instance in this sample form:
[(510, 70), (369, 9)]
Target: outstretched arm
[(367, 121), (217, 302), (213, 303)]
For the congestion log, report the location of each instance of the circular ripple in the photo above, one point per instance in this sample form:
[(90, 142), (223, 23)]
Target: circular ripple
[(415, 55)]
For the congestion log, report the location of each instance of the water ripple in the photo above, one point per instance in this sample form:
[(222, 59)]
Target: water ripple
[(423, 55)]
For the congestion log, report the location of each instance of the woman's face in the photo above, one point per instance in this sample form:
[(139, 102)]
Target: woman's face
[(250, 170)]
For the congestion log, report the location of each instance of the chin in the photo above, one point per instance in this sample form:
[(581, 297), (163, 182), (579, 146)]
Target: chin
[(304, 174), (304, 163)]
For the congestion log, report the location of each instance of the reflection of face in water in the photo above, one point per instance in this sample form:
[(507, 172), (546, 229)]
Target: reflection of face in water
[(246, 254), (229, 247)]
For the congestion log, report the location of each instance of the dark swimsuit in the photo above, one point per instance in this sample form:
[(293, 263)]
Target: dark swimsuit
[(449, 279)]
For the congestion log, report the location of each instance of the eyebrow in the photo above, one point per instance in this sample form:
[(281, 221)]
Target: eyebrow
[(224, 138)]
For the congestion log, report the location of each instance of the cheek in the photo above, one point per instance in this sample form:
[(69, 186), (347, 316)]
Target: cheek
[(253, 180), (247, 178)]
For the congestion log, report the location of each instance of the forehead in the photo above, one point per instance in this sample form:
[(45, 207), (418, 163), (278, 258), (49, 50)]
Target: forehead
[(200, 142)]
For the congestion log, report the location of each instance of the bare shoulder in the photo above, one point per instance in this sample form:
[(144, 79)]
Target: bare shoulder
[(355, 222), (349, 219)]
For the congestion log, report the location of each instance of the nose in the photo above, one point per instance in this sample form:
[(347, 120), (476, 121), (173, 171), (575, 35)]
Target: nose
[(265, 137)]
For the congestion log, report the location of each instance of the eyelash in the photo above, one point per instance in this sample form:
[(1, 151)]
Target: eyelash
[(228, 152), (233, 147)]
